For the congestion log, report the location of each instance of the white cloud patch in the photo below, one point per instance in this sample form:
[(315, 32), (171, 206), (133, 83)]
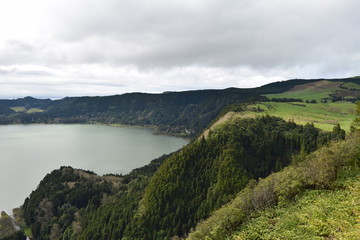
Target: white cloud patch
[(99, 47)]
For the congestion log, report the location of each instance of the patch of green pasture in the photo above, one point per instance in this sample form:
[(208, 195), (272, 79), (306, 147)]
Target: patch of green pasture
[(34, 110), (323, 115), (306, 94), (19, 109), (352, 86)]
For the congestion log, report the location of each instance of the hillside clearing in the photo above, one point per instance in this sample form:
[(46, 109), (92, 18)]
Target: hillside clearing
[(323, 115), (227, 117), (352, 86)]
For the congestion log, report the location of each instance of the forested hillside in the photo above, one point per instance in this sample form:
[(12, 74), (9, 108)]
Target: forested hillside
[(162, 202), (316, 197)]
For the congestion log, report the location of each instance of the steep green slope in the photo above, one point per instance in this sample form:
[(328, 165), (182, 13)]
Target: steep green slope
[(315, 214), (317, 197)]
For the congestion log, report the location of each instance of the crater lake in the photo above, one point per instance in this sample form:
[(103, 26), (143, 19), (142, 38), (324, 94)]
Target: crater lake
[(29, 152)]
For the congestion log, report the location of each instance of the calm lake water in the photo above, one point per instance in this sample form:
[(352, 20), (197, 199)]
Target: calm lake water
[(29, 152)]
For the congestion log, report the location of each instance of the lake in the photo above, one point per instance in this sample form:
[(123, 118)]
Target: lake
[(29, 152)]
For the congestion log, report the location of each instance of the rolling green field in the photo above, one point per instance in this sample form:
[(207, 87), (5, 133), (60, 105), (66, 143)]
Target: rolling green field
[(310, 91), (352, 86), (34, 110), (23, 109), (19, 109), (323, 115)]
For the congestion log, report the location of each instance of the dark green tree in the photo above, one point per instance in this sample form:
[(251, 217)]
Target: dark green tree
[(355, 126)]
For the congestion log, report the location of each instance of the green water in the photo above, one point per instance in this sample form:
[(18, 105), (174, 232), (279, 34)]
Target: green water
[(29, 152)]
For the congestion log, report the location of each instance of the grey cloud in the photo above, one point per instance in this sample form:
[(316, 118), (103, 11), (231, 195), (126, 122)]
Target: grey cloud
[(260, 34), (18, 46), (15, 71), (269, 39)]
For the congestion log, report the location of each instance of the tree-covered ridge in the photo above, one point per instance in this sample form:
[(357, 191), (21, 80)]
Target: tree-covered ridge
[(60, 206), (208, 173), (55, 204), (8, 228), (316, 197)]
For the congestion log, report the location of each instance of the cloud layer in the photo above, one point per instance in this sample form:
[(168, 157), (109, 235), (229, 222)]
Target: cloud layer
[(99, 47)]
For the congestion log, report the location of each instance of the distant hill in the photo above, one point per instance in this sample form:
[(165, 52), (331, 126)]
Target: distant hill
[(324, 90), (181, 113), (27, 102)]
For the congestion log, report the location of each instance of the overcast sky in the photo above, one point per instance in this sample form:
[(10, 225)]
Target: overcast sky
[(57, 48)]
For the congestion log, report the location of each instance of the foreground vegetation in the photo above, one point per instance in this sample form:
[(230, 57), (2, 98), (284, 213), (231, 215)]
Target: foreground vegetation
[(317, 197)]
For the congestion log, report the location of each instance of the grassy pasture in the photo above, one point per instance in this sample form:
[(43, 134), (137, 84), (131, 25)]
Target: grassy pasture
[(310, 91), (25, 110), (19, 109), (34, 110), (352, 86), (323, 115)]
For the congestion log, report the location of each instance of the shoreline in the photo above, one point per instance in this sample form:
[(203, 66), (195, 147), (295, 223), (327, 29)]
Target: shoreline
[(155, 129)]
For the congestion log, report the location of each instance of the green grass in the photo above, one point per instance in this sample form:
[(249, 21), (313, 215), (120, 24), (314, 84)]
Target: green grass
[(23, 109), (19, 109), (305, 94), (323, 115), (310, 91), (352, 86), (34, 110), (316, 214)]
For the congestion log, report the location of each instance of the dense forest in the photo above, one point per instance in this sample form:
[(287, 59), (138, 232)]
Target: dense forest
[(172, 194)]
